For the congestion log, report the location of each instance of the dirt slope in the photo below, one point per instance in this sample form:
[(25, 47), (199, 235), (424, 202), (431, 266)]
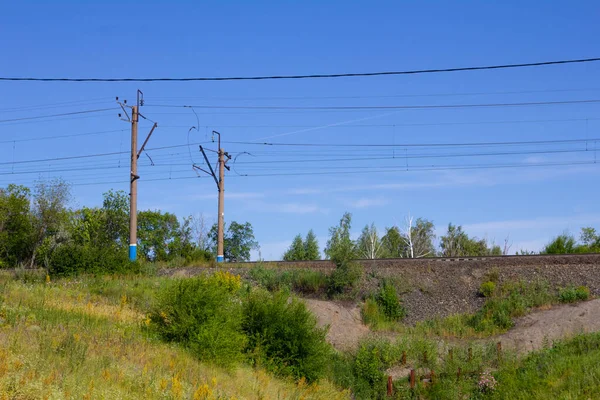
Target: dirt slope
[(344, 321), (533, 330), (530, 333)]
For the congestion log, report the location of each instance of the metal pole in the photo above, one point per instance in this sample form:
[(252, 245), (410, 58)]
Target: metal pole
[(133, 186), (221, 218)]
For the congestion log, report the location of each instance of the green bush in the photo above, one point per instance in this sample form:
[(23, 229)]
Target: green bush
[(72, 259), (572, 294), (390, 305), (487, 289), (511, 300), (283, 336), (371, 313), (344, 277), (203, 314)]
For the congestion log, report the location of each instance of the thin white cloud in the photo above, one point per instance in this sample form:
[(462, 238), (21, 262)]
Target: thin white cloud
[(367, 202)]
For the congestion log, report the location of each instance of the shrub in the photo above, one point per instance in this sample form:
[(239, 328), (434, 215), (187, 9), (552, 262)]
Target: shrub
[(205, 315), (390, 305), (283, 336), (487, 289), (344, 277), (371, 313), (572, 294), (71, 259)]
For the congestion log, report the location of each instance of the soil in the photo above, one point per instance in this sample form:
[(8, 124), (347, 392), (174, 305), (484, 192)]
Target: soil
[(344, 322), (531, 332)]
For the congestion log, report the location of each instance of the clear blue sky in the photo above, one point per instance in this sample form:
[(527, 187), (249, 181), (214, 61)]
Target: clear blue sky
[(181, 39)]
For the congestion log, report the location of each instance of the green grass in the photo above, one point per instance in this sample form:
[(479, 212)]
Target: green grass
[(86, 338), (503, 303), (302, 281)]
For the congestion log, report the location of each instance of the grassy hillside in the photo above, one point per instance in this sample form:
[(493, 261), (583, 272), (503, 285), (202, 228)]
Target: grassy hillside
[(85, 338)]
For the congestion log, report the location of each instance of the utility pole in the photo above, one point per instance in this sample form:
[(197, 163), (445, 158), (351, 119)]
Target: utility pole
[(133, 174), (133, 186), (223, 158)]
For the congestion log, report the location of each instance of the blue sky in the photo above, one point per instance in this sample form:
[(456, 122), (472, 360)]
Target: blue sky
[(180, 39)]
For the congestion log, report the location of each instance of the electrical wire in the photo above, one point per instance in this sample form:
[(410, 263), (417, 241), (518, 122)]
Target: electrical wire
[(308, 76), (57, 115), (394, 107)]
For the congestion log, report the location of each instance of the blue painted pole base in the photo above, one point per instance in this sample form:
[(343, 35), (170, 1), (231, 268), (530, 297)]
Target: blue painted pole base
[(220, 259), (132, 252)]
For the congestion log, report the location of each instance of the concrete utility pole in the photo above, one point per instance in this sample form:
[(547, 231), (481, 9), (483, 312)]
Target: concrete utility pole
[(221, 222), (133, 174), (133, 186), (223, 158)]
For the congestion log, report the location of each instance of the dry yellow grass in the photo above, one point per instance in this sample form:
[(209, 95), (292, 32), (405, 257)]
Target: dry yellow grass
[(60, 341)]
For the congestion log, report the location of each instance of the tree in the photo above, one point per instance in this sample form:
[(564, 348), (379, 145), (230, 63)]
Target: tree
[(199, 227), (369, 244), (419, 237), (50, 215), (456, 243), (590, 240), (116, 209), (16, 228), (238, 241), (311, 247), (393, 244), (156, 231), (340, 248), (296, 251), (562, 244)]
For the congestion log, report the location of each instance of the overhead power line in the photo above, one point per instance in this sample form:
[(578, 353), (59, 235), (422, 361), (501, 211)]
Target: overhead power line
[(534, 103), (57, 115), (308, 76)]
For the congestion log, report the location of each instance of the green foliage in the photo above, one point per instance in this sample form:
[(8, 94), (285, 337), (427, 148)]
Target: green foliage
[(562, 244), (344, 278), (390, 304), (16, 228), (238, 240), (311, 247), (456, 243), (342, 251), (510, 301), (303, 250), (203, 314), (283, 336), (368, 244), (296, 252), (340, 248), (156, 232), (393, 244), (487, 289), (304, 281), (571, 294), (72, 259)]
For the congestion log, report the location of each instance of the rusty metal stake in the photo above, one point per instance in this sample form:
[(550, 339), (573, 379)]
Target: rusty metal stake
[(499, 350), (451, 354), (390, 387), (470, 354), (403, 358), (412, 378)]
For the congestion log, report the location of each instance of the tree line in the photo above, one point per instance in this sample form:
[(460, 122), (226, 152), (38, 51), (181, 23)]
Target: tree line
[(39, 228), (416, 238)]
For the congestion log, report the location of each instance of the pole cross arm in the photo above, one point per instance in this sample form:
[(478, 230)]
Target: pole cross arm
[(212, 171), (146, 141)]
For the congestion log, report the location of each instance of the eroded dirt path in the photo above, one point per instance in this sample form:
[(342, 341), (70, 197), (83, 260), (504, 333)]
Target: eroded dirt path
[(530, 333)]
